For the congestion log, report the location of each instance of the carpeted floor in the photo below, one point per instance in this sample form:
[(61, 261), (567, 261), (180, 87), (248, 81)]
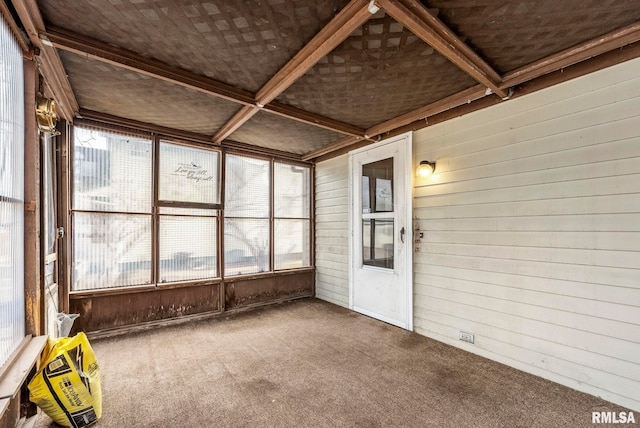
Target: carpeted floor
[(312, 364)]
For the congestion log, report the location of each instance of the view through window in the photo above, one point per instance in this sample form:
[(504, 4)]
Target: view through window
[(133, 225)]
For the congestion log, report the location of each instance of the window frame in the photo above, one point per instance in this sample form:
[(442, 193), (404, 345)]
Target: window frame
[(268, 218), (272, 218), (157, 136), (155, 213)]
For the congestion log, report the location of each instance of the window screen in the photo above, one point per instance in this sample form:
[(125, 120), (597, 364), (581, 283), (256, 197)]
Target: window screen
[(12, 328), (247, 215), (292, 225), (112, 204), (189, 174), (188, 237)]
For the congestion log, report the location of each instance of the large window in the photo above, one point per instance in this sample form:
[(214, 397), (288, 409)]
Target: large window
[(265, 231), (12, 327), (145, 212), (131, 229)]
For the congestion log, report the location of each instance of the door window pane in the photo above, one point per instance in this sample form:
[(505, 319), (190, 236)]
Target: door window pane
[(377, 187), (188, 247), (377, 243)]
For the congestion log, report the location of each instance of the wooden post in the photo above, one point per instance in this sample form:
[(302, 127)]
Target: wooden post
[(34, 315)]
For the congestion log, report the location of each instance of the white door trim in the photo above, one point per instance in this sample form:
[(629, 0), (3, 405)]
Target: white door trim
[(408, 196)]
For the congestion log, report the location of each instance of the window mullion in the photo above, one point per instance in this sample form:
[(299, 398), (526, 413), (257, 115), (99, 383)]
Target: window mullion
[(155, 221), (272, 264)]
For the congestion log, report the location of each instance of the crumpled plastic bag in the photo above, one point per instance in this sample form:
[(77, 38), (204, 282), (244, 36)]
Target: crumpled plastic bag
[(67, 387)]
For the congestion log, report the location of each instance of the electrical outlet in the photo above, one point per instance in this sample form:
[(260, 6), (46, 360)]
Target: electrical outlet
[(466, 337)]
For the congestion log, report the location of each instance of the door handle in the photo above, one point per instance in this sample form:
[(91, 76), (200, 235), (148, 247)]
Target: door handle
[(402, 235)]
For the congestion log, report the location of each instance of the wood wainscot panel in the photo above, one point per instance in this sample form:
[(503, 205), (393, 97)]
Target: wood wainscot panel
[(106, 311), (259, 290)]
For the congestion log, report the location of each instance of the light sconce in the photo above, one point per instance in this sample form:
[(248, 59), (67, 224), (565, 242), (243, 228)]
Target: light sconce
[(425, 168), (46, 114)]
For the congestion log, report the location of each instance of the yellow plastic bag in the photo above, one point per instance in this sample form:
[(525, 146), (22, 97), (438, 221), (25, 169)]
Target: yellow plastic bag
[(67, 387)]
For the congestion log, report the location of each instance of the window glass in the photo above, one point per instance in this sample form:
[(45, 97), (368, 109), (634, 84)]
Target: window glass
[(377, 243), (291, 187), (377, 187), (246, 187), (111, 172), (189, 174), (246, 246), (292, 225), (188, 247), (112, 202), (111, 250), (246, 224), (12, 329), (292, 246)]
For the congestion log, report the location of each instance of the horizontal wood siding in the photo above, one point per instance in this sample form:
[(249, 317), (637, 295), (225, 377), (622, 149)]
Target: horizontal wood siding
[(332, 227), (532, 233)]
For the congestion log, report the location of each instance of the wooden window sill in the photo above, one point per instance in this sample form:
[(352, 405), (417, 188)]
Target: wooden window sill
[(18, 368)]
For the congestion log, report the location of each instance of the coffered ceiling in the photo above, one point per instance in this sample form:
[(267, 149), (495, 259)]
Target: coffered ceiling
[(310, 78)]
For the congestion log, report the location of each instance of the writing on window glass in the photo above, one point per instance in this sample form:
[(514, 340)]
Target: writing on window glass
[(193, 171)]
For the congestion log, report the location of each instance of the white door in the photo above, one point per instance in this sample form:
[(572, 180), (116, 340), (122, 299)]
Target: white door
[(381, 234)]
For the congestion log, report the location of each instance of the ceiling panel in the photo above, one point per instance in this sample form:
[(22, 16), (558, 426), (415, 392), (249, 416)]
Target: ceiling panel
[(242, 43), (279, 133), (113, 90), (381, 71), (512, 34)]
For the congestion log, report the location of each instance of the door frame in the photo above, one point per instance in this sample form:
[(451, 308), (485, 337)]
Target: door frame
[(407, 170)]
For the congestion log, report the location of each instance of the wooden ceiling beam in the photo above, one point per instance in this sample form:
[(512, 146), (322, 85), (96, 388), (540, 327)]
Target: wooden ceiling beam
[(352, 16), (238, 119), (304, 116), (49, 61), (333, 147), (447, 34), (100, 51), (584, 58), (455, 100), (417, 19)]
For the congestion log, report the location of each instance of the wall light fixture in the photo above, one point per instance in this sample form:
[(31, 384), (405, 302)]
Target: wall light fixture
[(425, 168)]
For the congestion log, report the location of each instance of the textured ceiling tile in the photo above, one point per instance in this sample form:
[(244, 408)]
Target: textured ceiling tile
[(381, 71), (113, 90), (509, 35), (245, 43), (275, 132)]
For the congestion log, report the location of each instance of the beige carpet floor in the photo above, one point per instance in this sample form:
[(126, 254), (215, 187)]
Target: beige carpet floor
[(308, 363)]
